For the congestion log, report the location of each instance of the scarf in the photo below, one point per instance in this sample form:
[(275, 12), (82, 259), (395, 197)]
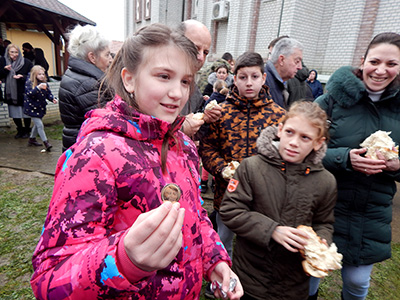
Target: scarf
[(11, 82)]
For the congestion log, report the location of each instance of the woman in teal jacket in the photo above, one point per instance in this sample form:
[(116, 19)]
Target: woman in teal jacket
[(360, 102)]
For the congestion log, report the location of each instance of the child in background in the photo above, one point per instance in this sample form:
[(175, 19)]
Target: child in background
[(315, 85), (272, 193), (220, 90), (221, 73), (247, 110), (37, 91), (108, 233)]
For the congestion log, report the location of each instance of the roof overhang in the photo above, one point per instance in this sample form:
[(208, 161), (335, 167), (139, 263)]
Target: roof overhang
[(41, 15)]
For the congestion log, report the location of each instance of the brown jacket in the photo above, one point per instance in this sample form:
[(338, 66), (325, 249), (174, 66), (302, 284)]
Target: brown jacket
[(234, 136), (271, 192)]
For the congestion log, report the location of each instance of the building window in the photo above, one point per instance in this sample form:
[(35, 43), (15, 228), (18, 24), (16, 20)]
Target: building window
[(195, 8), (138, 10), (147, 9)]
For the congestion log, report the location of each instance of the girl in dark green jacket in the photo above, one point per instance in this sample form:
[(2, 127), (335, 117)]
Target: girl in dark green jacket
[(360, 102)]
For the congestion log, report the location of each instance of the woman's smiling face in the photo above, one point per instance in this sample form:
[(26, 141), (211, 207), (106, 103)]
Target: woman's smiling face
[(381, 66), (13, 53)]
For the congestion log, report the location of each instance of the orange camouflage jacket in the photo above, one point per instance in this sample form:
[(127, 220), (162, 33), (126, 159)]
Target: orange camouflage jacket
[(234, 135)]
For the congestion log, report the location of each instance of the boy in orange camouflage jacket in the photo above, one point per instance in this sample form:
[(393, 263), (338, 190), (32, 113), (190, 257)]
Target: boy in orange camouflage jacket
[(248, 109)]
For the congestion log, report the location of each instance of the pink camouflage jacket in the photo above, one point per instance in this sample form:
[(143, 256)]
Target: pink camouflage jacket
[(102, 183)]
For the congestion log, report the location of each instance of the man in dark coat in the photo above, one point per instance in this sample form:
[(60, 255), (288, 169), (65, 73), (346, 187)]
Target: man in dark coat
[(284, 63)]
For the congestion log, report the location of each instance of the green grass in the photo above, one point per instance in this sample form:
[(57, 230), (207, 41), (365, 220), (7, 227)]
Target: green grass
[(23, 208), (54, 130), (385, 280)]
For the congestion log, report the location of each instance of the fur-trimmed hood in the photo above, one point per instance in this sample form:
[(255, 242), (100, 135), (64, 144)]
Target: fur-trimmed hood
[(347, 89), (268, 141)]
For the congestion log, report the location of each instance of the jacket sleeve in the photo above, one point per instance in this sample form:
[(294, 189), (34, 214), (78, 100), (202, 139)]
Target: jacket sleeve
[(25, 70), (209, 150), (3, 72), (49, 95), (213, 248), (236, 209), (336, 158), (320, 89), (78, 94), (208, 90), (77, 251), (323, 217)]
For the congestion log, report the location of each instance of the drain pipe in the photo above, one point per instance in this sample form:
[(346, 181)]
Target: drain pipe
[(254, 23), (280, 19)]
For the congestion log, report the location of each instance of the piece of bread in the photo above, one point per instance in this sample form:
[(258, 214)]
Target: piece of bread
[(228, 171), (198, 116), (319, 259), (211, 105), (382, 142)]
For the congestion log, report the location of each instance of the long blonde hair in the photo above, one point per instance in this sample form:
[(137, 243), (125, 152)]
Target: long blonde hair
[(33, 77)]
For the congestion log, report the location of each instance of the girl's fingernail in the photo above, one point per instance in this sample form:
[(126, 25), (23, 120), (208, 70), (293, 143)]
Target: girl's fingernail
[(176, 205), (167, 204)]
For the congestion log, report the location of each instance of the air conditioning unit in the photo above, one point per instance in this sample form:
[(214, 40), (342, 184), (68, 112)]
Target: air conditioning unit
[(220, 10)]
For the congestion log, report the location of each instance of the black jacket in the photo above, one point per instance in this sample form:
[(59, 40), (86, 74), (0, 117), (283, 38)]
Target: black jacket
[(78, 94), (26, 68), (298, 88)]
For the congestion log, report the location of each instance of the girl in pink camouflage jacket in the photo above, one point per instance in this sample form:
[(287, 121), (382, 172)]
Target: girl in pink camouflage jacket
[(108, 234)]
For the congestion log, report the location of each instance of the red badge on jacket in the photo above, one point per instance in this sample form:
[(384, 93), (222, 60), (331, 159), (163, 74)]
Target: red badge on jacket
[(233, 183)]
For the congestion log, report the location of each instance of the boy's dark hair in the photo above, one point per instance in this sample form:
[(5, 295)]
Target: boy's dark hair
[(27, 45), (227, 56), (275, 40), (249, 59)]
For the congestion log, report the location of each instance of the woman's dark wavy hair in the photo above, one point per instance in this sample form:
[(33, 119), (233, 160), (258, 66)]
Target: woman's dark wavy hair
[(390, 38), (131, 56)]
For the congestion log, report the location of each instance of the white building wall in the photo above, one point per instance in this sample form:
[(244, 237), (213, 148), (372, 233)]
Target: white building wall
[(129, 17), (322, 17), (329, 30), (239, 26), (388, 18), (344, 30), (223, 40), (204, 11), (268, 24)]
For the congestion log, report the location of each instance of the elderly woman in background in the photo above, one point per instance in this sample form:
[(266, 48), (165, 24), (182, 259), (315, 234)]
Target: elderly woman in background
[(14, 69), (90, 58)]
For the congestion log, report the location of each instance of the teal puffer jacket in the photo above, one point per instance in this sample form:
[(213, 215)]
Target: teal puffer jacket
[(363, 212)]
